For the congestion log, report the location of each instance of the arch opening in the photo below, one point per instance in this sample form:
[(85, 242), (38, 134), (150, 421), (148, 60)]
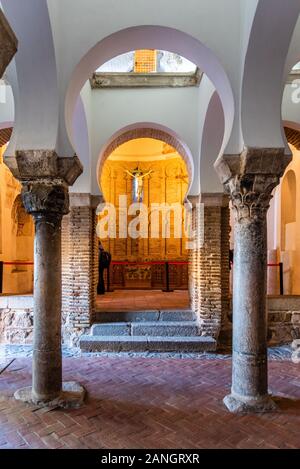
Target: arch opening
[(283, 223), (159, 38), (149, 131), (16, 233), (152, 175)]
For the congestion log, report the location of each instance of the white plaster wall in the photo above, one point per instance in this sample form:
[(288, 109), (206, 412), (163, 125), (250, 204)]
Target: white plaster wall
[(183, 110), (78, 26), (211, 142), (81, 128), (175, 108), (37, 116), (7, 108), (263, 79), (291, 104)]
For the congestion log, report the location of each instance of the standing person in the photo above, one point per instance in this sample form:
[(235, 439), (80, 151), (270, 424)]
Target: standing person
[(104, 263)]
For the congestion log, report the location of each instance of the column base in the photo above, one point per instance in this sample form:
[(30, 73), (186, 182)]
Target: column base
[(237, 405), (71, 397)]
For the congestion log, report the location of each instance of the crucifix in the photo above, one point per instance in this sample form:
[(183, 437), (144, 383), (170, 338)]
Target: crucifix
[(138, 183)]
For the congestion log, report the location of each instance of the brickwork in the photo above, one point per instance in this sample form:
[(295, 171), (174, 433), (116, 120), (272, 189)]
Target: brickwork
[(78, 271), (225, 273), (95, 261), (208, 275), (194, 261), (209, 268), (147, 132), (145, 61)]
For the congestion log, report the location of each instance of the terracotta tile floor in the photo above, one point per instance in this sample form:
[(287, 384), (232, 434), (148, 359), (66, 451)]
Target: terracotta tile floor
[(126, 300), (150, 403)]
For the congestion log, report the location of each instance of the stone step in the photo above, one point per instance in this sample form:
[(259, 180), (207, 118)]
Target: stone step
[(89, 343), (143, 328), (147, 316)]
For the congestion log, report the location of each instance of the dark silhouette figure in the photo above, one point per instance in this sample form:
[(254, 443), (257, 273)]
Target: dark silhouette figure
[(230, 259), (104, 263)]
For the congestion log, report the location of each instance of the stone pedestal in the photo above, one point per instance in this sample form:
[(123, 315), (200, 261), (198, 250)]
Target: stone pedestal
[(249, 179)]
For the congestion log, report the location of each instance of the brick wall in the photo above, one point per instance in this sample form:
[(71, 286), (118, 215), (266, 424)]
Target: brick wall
[(209, 267), (225, 272), (194, 261), (79, 271)]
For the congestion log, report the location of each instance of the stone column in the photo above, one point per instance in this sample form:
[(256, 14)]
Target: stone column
[(45, 179), (209, 262), (47, 203), (250, 178)]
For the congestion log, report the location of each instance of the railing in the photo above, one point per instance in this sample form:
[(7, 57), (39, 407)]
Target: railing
[(16, 263)]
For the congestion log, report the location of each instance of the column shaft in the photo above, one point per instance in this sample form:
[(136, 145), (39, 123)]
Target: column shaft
[(249, 374), (47, 360)]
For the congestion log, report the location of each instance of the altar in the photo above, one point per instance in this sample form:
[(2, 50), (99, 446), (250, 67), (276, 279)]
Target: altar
[(151, 275)]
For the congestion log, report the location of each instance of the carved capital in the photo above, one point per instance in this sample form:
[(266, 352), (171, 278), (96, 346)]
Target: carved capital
[(8, 43), (250, 178), (46, 200), (251, 196)]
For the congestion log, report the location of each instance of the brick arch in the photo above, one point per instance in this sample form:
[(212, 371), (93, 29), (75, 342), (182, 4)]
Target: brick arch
[(5, 135), (147, 132), (292, 136)]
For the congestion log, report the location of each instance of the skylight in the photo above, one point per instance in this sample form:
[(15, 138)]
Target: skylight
[(148, 61)]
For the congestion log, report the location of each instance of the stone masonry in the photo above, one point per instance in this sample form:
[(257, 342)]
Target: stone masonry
[(16, 321)]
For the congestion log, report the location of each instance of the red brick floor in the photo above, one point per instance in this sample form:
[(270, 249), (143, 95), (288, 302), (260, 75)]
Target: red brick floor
[(150, 403), (127, 300)]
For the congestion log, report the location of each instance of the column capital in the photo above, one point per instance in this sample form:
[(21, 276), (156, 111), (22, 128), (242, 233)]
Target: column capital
[(45, 199), (249, 179), (45, 178)]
